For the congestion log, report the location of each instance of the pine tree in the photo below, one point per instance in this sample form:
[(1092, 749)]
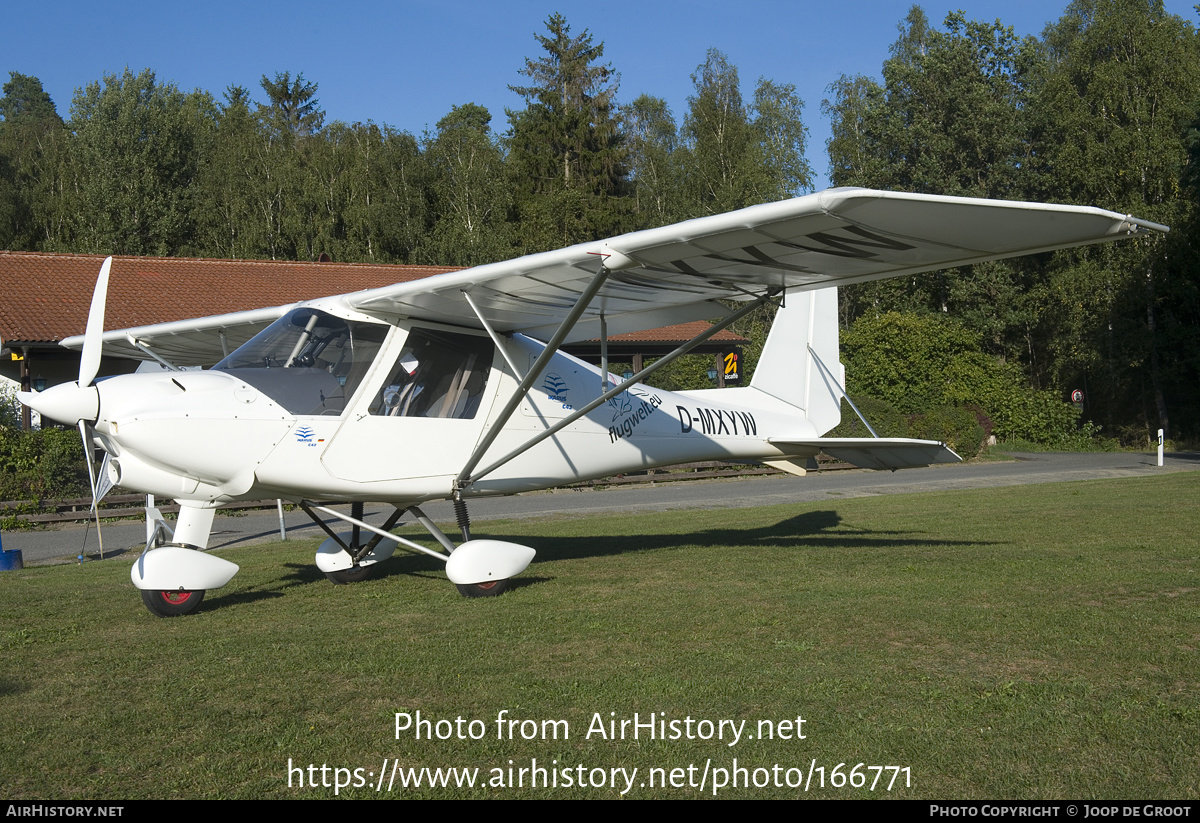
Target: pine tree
[(567, 148), (293, 110)]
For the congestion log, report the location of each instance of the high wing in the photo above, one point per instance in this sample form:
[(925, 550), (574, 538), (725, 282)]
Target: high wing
[(675, 273), (678, 273)]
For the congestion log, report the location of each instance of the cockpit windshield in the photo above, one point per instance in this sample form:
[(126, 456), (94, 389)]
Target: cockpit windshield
[(308, 361)]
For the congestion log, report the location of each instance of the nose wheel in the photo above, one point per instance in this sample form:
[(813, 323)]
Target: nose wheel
[(357, 574), (492, 588)]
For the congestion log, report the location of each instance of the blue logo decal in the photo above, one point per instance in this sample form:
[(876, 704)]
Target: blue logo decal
[(556, 388)]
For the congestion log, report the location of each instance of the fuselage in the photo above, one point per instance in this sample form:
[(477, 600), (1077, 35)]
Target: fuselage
[(328, 404)]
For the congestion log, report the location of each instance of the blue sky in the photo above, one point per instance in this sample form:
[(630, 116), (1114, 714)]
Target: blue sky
[(405, 63)]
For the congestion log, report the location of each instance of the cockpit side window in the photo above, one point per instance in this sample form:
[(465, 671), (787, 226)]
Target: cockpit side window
[(308, 361), (438, 374)]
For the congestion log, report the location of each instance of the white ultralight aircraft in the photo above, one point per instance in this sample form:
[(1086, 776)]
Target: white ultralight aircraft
[(443, 388)]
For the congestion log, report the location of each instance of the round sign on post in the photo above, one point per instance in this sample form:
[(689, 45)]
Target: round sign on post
[(1077, 396)]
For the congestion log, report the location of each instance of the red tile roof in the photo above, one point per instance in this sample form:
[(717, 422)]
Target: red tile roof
[(46, 297), (674, 334)]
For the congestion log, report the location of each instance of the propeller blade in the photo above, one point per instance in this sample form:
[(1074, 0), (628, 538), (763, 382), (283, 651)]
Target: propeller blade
[(89, 360)]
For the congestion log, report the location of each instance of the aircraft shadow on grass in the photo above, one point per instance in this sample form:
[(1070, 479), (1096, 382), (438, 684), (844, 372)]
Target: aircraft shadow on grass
[(817, 530)]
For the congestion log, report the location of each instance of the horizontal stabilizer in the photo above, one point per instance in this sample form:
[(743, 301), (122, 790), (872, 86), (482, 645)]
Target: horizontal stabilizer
[(878, 452)]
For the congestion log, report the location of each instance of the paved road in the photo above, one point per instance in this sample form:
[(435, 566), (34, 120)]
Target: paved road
[(65, 544)]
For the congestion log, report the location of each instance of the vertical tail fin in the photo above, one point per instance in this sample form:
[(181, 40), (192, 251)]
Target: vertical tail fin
[(799, 363)]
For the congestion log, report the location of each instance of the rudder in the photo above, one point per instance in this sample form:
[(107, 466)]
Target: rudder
[(807, 325)]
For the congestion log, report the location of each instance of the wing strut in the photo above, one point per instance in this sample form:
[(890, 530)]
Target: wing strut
[(464, 479), (133, 341), (527, 381), (842, 389), (603, 354)]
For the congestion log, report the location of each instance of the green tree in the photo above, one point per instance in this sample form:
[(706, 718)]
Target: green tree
[(292, 109), (718, 164), (1177, 309), (133, 164), (949, 118), (1120, 87), (736, 155), (782, 138), (29, 137), (920, 363), (365, 229), (856, 109), (402, 218), (25, 100), (653, 146), (566, 147), (226, 211), (469, 191)]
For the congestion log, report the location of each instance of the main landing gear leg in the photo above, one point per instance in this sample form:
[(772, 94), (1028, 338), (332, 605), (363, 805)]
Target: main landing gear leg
[(172, 574), (491, 588), (356, 573), (364, 556), (479, 568)]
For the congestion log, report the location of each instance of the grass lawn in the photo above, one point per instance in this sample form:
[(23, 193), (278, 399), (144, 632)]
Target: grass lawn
[(1023, 642)]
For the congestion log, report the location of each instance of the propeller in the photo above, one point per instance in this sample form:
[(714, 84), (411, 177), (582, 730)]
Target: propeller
[(89, 365), (85, 431), (79, 402), (74, 402)]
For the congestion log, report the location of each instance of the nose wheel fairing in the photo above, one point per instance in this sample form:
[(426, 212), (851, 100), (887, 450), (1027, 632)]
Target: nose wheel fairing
[(486, 562)]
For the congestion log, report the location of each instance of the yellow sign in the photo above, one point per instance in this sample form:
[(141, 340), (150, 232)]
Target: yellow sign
[(731, 366)]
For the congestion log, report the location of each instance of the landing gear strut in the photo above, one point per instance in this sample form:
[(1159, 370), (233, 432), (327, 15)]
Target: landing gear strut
[(356, 573), (171, 573), (363, 556), (478, 568)]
